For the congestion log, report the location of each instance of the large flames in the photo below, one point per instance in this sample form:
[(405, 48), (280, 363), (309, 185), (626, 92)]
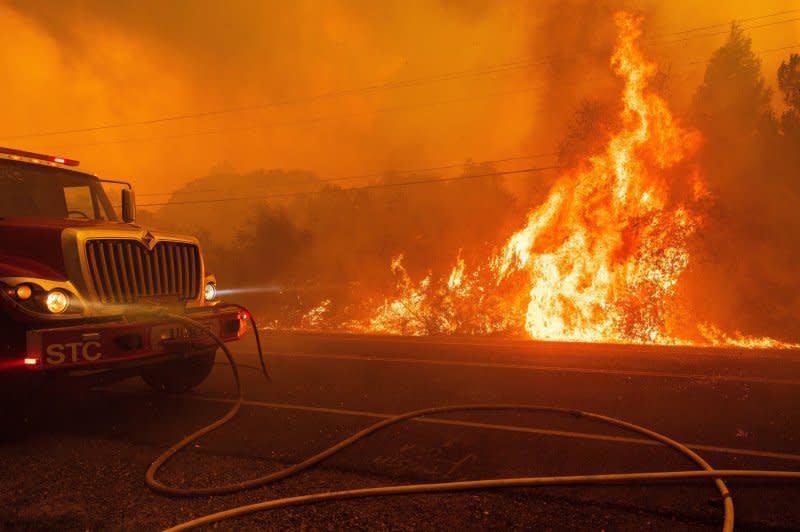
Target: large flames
[(600, 259), (606, 249)]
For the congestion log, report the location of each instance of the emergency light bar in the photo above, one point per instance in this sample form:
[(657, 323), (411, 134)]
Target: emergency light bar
[(39, 156)]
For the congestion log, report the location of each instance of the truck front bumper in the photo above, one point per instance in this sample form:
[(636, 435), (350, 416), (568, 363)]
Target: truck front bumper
[(128, 343)]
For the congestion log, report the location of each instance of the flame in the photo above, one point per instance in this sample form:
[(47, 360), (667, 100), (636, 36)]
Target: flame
[(460, 305), (715, 337), (602, 256), (605, 251), (314, 318)]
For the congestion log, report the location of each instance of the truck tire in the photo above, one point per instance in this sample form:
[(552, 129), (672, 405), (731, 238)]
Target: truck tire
[(180, 375)]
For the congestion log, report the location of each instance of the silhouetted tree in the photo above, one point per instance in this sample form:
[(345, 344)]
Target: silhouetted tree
[(741, 275), (589, 131), (733, 89), (789, 83), (270, 246)]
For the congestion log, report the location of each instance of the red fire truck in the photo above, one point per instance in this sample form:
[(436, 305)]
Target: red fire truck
[(84, 290)]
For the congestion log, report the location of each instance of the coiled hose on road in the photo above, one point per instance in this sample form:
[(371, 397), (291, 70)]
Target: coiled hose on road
[(706, 470)]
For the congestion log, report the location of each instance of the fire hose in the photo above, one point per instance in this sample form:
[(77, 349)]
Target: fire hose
[(705, 471)]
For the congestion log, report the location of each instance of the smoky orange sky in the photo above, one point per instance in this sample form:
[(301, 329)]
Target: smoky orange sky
[(83, 64)]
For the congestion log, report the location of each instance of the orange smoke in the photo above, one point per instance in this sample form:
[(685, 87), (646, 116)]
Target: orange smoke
[(602, 256)]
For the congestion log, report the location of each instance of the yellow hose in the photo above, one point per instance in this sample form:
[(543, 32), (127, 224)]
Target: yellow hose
[(521, 482), (158, 486)]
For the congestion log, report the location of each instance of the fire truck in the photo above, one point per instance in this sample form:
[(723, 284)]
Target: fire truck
[(85, 291)]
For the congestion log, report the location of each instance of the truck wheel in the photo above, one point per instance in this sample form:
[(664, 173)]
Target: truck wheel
[(180, 375)]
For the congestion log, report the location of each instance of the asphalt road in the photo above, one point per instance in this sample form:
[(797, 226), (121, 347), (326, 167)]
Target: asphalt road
[(78, 461)]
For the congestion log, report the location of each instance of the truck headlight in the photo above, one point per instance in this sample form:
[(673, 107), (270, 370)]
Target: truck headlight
[(23, 292), (56, 301), (210, 292)]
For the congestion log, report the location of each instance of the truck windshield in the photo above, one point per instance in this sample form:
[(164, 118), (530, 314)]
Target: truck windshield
[(28, 190)]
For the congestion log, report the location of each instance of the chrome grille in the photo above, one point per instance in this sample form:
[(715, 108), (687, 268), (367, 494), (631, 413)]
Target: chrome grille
[(125, 270)]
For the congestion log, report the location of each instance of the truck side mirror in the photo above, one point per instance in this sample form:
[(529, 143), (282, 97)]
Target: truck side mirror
[(128, 205)]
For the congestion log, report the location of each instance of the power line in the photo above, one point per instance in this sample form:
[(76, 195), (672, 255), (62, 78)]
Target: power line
[(354, 189), (319, 119), (492, 69), (374, 174), (383, 86), (758, 52), (312, 120), (378, 174), (722, 24), (767, 24)]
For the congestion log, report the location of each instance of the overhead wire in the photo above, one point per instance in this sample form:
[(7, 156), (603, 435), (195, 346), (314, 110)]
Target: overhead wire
[(354, 189), (376, 174), (758, 52), (302, 121), (319, 119), (384, 86), (759, 26), (722, 24), (345, 92), (372, 174)]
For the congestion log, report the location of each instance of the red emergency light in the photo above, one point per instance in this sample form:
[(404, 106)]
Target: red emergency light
[(40, 157)]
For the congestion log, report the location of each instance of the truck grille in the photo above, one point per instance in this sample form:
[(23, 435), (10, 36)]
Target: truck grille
[(125, 270)]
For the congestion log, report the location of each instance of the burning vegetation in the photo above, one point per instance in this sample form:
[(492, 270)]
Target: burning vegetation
[(629, 243), (604, 252), (602, 256)]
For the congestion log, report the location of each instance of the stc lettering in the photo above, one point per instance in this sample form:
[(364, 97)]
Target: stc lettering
[(73, 352)]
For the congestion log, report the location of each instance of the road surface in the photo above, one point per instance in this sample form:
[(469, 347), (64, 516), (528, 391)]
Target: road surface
[(79, 459)]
